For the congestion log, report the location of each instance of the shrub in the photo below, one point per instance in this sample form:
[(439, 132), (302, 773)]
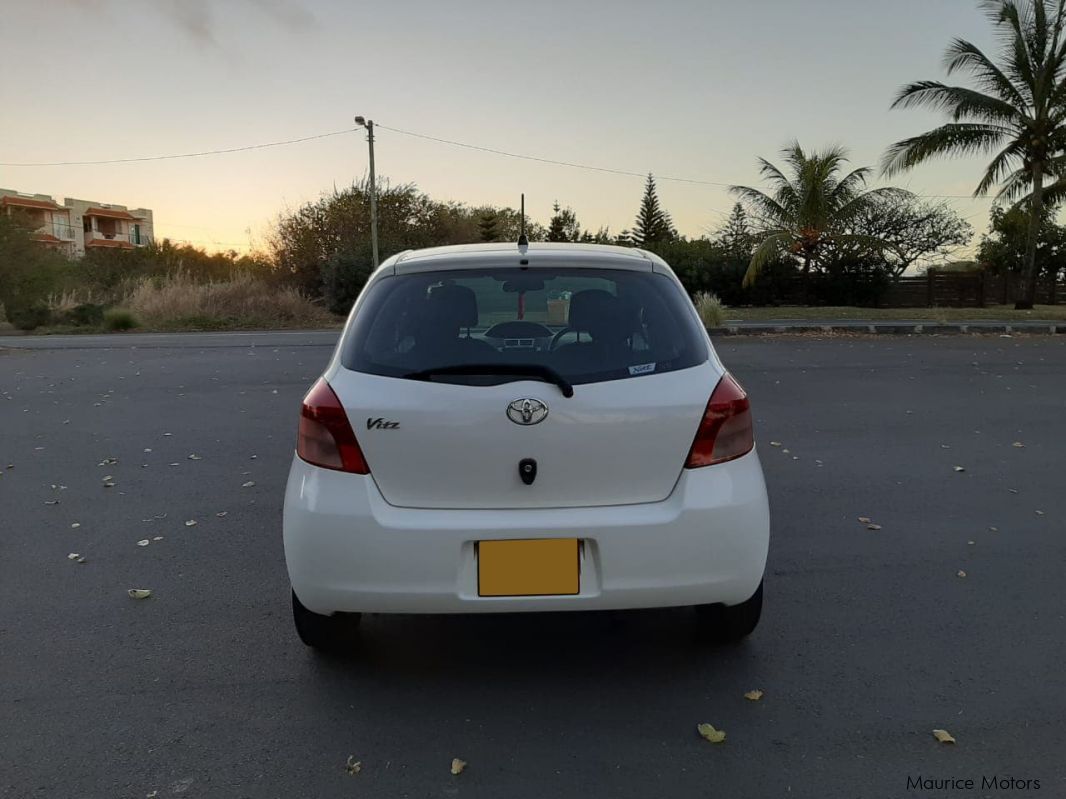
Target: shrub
[(710, 309), (28, 316), (119, 319), (177, 301), (85, 314)]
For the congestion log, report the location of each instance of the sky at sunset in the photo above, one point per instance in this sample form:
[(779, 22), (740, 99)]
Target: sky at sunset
[(684, 89)]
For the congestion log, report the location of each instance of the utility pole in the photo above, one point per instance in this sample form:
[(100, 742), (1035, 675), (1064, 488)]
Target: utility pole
[(369, 125)]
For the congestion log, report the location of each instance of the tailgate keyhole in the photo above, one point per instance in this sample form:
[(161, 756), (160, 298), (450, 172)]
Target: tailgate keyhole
[(527, 470)]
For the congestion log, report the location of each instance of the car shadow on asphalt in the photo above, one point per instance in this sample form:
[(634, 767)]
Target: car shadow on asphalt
[(528, 646)]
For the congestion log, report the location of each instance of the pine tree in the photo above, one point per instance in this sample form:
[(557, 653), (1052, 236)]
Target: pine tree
[(736, 235), (563, 225), (488, 226), (653, 224)]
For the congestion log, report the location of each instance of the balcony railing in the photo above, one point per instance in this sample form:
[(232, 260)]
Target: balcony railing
[(133, 237), (59, 230)]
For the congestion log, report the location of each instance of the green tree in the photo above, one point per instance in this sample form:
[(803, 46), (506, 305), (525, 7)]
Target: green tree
[(913, 232), (736, 234), (487, 226), (323, 247), (563, 225), (29, 272), (1003, 247), (807, 211), (653, 224), (1015, 109)]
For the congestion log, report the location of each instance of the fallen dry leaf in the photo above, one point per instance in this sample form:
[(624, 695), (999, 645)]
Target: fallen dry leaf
[(993, 529), (873, 527), (158, 538), (190, 523), (143, 542), (775, 443), (943, 736), (1040, 513), (960, 468), (865, 519), (458, 765), (73, 556), (710, 733), (1018, 445), (754, 696), (222, 513), (195, 458), (139, 593), (353, 766), (75, 526), (249, 484), (960, 573)]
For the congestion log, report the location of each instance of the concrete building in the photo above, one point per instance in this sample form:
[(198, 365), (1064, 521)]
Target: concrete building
[(51, 222), (77, 226), (106, 225)]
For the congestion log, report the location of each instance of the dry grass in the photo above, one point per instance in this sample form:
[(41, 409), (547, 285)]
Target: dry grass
[(710, 309), (178, 302)]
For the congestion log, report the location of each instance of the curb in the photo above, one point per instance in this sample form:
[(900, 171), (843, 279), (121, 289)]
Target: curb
[(890, 328)]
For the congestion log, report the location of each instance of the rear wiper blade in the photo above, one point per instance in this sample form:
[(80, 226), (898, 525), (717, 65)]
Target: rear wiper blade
[(532, 370)]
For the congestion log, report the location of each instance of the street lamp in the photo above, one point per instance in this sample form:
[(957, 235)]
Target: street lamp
[(369, 125)]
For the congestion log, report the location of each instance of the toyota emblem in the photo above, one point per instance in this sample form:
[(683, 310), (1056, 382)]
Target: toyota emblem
[(527, 411)]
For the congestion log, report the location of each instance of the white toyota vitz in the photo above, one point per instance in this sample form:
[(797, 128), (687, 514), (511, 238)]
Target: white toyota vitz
[(537, 427)]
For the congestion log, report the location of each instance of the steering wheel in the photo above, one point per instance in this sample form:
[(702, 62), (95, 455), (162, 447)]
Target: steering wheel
[(555, 339)]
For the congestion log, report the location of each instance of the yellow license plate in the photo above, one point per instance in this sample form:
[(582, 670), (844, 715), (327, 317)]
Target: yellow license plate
[(528, 567)]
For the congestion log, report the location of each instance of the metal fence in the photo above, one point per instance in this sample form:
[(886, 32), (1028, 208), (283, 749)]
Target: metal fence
[(939, 289)]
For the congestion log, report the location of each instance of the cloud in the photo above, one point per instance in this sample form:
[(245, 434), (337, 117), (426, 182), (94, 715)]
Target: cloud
[(194, 17), (286, 12), (197, 20)]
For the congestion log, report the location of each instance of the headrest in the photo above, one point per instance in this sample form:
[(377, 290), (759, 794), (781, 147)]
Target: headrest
[(590, 307), (456, 305)]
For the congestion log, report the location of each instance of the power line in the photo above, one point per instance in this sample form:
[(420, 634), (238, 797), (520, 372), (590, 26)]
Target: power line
[(185, 155), (547, 160), (413, 134)]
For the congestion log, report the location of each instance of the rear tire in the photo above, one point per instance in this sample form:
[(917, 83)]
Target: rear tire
[(730, 623), (334, 634)]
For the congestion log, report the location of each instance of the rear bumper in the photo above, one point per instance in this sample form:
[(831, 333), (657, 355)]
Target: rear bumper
[(348, 550)]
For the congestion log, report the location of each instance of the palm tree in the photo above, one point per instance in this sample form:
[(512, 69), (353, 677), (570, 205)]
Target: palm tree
[(807, 212), (1016, 109)]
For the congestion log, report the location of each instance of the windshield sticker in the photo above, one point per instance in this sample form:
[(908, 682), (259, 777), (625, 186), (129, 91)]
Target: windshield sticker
[(642, 369)]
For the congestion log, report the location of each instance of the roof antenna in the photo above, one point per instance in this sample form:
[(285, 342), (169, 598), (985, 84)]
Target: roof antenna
[(522, 240)]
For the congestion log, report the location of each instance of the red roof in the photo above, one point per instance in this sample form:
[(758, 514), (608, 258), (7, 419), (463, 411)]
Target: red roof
[(26, 202), (110, 213), (47, 238), (121, 244)]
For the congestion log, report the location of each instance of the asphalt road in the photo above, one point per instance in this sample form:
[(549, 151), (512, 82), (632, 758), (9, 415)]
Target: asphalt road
[(869, 639)]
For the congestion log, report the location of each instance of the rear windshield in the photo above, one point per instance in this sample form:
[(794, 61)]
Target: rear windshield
[(588, 325)]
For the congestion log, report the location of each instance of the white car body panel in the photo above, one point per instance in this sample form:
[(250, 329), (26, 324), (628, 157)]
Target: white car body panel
[(618, 442), (403, 538), (348, 550)]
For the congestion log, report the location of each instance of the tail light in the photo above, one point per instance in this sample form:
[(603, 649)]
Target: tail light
[(725, 431), (326, 438)]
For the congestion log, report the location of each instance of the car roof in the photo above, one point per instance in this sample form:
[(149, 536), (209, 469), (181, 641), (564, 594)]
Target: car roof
[(533, 255)]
